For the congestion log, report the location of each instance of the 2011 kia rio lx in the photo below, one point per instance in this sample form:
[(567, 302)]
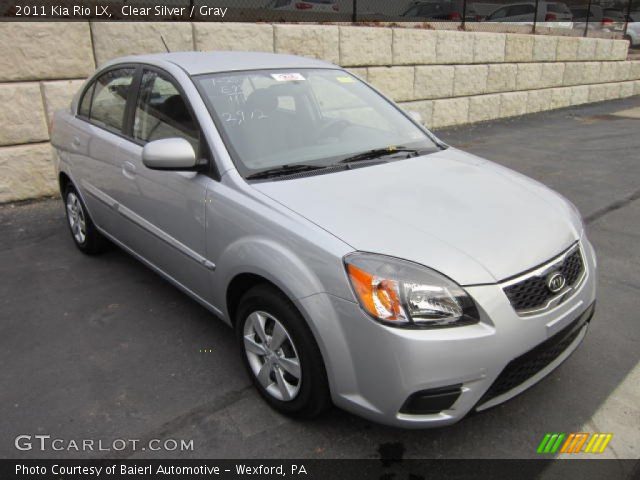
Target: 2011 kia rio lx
[(360, 259)]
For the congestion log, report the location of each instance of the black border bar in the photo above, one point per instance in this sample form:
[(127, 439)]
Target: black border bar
[(383, 469)]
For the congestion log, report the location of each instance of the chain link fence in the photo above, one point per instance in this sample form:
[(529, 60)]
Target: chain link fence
[(600, 18)]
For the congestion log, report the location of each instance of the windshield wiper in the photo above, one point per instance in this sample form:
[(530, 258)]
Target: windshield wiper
[(283, 170), (381, 152)]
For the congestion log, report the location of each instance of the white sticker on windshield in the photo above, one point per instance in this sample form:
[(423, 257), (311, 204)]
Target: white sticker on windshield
[(287, 77)]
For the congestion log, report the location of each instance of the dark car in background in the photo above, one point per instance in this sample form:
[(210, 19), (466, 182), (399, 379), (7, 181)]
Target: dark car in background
[(305, 5), (443, 10), (595, 15)]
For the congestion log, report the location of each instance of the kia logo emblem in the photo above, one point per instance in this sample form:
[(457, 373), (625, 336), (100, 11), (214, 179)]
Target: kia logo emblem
[(556, 282)]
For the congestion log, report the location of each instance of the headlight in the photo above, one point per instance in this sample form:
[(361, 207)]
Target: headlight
[(403, 294)]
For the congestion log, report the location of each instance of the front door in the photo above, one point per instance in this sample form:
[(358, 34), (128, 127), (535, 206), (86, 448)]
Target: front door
[(166, 209)]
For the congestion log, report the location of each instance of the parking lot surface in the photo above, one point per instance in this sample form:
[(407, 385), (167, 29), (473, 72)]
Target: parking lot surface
[(102, 348)]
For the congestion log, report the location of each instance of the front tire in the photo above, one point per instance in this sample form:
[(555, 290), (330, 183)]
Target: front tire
[(83, 231), (280, 353)]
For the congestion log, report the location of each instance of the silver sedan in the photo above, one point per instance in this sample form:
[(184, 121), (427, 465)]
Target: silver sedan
[(361, 261)]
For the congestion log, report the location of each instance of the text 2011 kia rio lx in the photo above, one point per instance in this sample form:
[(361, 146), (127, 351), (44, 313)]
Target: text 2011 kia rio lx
[(360, 260)]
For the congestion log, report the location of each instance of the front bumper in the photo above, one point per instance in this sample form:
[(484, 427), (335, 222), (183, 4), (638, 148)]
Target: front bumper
[(373, 369)]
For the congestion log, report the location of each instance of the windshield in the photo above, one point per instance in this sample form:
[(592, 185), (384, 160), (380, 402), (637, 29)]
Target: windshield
[(275, 118)]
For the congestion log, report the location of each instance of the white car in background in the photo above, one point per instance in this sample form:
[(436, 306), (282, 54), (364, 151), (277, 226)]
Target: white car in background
[(550, 14), (325, 6), (633, 29)]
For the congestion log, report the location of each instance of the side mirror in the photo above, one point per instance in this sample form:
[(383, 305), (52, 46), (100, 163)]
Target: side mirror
[(169, 154), (416, 116)]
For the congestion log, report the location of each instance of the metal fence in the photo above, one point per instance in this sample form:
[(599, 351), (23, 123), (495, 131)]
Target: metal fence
[(582, 17), (569, 17)]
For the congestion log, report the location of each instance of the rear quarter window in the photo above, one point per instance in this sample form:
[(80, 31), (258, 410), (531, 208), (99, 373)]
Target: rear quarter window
[(85, 103)]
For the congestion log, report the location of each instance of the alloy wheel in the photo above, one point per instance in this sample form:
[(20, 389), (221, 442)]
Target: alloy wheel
[(272, 356), (75, 215)]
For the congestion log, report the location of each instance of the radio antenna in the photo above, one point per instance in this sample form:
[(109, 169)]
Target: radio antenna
[(165, 44)]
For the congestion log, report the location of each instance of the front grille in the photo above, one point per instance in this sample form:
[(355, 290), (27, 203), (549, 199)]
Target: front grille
[(527, 365), (572, 267), (532, 292)]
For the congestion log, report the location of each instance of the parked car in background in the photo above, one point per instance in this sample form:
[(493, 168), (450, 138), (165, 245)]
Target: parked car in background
[(580, 20), (613, 20), (441, 10), (359, 258), (633, 29), (550, 14), (326, 6)]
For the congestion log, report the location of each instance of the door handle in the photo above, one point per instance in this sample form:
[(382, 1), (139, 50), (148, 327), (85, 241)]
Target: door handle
[(75, 143), (129, 170)]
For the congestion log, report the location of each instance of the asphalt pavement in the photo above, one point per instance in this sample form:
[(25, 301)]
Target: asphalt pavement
[(102, 348)]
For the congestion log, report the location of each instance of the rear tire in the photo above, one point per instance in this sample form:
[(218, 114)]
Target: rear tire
[(83, 231), (280, 353)]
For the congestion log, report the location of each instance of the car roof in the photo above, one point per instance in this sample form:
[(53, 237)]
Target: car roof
[(197, 63)]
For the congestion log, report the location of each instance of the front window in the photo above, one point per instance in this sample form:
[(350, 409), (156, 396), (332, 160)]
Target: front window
[(161, 112), (319, 117)]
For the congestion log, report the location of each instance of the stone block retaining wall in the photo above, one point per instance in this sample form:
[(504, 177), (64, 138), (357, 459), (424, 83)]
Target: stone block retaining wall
[(449, 77)]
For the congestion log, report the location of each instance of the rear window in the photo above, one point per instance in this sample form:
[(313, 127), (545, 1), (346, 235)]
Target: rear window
[(428, 9), (560, 8), (521, 10), (581, 13), (614, 14), (423, 10)]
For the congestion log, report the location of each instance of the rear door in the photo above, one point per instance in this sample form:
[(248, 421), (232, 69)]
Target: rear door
[(96, 140)]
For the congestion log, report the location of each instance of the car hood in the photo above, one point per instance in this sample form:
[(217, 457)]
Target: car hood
[(468, 218)]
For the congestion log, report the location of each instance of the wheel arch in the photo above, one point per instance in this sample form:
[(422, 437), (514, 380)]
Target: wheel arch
[(245, 281), (63, 182), (238, 286)]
